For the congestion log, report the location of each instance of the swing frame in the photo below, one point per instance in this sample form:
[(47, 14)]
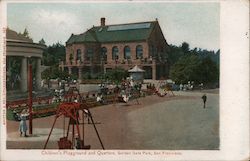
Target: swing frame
[(72, 111)]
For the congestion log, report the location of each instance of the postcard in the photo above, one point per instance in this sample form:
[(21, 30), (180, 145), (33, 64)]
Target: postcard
[(124, 80)]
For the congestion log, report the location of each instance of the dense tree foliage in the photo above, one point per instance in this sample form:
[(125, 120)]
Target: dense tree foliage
[(208, 71), (53, 54), (53, 72), (200, 66), (116, 75), (185, 69)]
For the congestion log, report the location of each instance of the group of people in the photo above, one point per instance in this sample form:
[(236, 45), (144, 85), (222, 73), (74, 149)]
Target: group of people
[(188, 86)]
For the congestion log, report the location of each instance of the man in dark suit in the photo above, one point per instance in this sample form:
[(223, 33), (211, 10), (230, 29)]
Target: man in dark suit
[(204, 98)]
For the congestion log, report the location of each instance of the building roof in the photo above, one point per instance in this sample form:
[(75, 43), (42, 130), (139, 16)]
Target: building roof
[(115, 33), (13, 35)]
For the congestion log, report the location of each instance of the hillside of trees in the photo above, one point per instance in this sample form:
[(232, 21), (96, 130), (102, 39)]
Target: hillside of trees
[(200, 66), (53, 54)]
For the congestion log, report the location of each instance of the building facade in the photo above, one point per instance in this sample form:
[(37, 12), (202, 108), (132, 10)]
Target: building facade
[(107, 47)]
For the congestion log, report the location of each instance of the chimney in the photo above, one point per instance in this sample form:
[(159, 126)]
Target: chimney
[(103, 21)]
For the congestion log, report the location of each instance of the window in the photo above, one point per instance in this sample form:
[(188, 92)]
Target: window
[(127, 53), (115, 53), (139, 52), (89, 54), (78, 54), (104, 54)]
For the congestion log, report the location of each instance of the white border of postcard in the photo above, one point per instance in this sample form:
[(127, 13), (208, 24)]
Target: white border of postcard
[(234, 96)]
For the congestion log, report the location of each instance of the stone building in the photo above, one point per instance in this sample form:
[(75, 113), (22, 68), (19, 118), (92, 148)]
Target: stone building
[(106, 47), (20, 50)]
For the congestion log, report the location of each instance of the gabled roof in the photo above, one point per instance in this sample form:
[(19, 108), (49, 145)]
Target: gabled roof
[(115, 33)]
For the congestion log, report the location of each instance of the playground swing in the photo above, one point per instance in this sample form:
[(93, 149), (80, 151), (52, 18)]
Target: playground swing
[(72, 111)]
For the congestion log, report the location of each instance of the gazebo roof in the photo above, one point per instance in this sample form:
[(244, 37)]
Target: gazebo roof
[(136, 69)]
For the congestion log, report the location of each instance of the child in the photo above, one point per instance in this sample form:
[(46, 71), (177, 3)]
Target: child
[(23, 127)]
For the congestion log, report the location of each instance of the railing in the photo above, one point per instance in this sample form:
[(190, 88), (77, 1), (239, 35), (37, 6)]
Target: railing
[(130, 61), (143, 61)]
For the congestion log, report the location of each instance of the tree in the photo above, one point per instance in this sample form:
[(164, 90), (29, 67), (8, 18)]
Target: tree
[(42, 42), (54, 72), (53, 54), (174, 54), (208, 71), (116, 75), (192, 68), (185, 69), (26, 33), (185, 47)]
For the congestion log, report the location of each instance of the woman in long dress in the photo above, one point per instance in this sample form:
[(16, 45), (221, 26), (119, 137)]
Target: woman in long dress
[(23, 126)]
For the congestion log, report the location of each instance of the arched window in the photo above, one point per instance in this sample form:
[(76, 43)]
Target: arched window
[(78, 54), (89, 54), (115, 53), (127, 53), (139, 52), (104, 54)]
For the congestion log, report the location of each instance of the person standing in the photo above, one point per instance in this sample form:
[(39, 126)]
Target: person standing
[(204, 98), (23, 126)]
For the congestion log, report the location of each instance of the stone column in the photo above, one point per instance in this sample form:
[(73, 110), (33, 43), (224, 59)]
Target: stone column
[(109, 54), (24, 75), (133, 52), (154, 72), (38, 74), (62, 66), (79, 73), (70, 70)]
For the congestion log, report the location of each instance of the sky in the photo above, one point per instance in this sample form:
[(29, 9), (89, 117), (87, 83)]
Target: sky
[(194, 23)]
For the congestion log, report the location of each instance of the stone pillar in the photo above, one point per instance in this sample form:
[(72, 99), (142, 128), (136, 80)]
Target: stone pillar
[(109, 54), (79, 73), (145, 51), (154, 72), (38, 74), (70, 70), (120, 52), (133, 52), (24, 75)]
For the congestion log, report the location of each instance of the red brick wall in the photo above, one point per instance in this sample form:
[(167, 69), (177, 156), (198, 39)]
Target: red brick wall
[(121, 46), (83, 47), (157, 40), (72, 49)]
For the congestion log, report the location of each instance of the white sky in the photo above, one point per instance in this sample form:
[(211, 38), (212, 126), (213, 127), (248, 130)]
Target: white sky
[(195, 23)]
